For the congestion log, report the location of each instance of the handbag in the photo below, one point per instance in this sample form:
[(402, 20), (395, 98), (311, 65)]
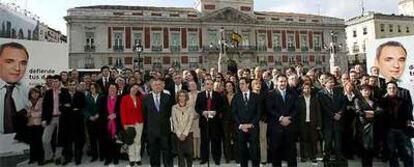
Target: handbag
[(127, 136)]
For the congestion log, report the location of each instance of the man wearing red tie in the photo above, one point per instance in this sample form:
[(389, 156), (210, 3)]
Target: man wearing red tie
[(208, 104)]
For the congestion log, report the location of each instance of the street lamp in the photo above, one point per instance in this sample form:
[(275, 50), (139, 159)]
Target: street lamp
[(138, 49)]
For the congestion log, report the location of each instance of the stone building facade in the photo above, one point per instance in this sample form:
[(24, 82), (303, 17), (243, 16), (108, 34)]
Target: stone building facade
[(189, 37)]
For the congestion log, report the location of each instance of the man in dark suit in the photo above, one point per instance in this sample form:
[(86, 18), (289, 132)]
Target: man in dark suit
[(281, 119), (209, 105), (53, 105), (267, 83), (73, 124), (332, 109), (157, 112), (246, 110), (177, 86), (309, 123), (105, 80)]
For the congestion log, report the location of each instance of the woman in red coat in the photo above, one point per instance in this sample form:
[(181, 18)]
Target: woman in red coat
[(131, 116)]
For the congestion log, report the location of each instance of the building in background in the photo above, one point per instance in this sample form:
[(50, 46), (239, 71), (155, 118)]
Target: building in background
[(189, 37), (364, 29), (22, 24)]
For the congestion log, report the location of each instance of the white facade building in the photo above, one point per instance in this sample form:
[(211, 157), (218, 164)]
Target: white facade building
[(188, 37)]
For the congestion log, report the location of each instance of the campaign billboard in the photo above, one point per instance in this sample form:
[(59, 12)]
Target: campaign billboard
[(45, 58), (394, 62)]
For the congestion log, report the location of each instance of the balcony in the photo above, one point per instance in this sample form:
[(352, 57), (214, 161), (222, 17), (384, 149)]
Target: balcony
[(244, 49), (317, 48), (118, 48), (277, 48), (193, 48), (291, 49), (156, 48), (261, 48), (304, 49), (175, 48), (89, 48), (355, 49)]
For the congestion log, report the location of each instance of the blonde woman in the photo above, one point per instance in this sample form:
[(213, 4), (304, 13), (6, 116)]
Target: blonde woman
[(192, 94), (182, 117)]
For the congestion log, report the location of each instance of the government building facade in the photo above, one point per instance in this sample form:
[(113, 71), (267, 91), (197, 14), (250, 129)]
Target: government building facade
[(189, 38)]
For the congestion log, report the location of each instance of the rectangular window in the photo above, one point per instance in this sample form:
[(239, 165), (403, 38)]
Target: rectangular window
[(261, 41), (391, 27), (304, 41), (118, 39), (245, 38), (407, 29), (192, 39), (399, 28), (156, 39), (354, 33), (212, 37), (291, 41), (382, 27), (90, 38), (276, 40), (137, 37), (175, 39), (365, 31)]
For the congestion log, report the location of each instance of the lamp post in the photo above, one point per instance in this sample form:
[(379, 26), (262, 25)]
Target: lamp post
[(138, 49)]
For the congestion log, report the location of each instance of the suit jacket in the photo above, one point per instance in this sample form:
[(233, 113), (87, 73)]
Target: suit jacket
[(330, 106), (103, 114), (100, 83), (47, 106), (405, 95), (276, 107), (201, 105), (266, 88), (157, 123), (314, 113), (247, 113)]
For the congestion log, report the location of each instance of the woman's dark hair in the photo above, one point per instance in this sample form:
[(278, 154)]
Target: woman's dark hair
[(232, 84), (194, 74), (34, 90), (97, 87)]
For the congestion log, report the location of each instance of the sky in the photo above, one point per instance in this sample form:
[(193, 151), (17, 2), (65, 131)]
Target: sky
[(52, 12)]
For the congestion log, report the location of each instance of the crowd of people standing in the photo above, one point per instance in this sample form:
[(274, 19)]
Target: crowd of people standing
[(256, 115)]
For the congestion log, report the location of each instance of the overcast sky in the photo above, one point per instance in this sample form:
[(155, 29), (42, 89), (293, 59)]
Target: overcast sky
[(52, 12)]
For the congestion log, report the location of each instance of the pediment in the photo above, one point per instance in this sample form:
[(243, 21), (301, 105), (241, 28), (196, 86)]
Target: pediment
[(229, 15)]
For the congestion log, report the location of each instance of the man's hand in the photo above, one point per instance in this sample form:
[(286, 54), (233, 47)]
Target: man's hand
[(337, 117), (369, 114), (205, 114), (112, 116), (44, 124)]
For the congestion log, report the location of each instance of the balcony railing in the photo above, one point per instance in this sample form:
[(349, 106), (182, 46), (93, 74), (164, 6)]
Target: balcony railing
[(291, 49), (156, 48), (118, 48), (89, 48), (355, 49), (317, 48), (261, 48), (175, 48), (277, 48), (304, 48), (193, 48)]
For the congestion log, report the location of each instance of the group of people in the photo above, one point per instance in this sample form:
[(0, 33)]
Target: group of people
[(256, 115)]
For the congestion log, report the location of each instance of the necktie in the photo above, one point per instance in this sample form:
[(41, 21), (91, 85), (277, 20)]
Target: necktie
[(330, 94), (9, 110), (283, 95), (245, 99), (209, 102), (157, 102)]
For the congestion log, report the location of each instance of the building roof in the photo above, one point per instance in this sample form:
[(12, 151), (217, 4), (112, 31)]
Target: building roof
[(372, 16), (291, 14), (153, 8)]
